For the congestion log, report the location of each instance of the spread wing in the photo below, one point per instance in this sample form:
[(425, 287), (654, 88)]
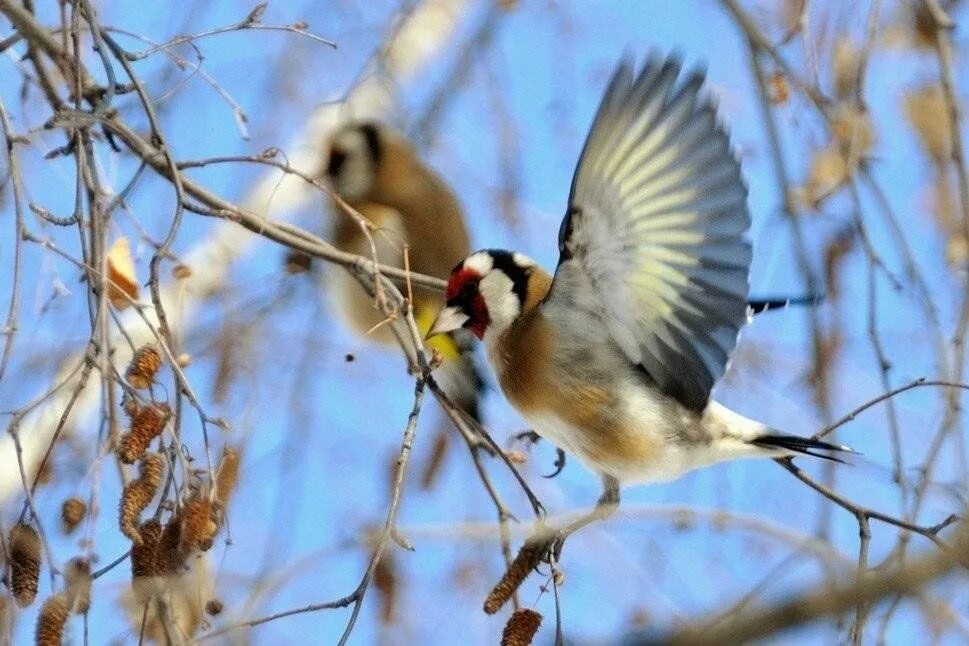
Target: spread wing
[(653, 237)]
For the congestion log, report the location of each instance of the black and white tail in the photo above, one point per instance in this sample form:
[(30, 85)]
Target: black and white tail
[(802, 445)]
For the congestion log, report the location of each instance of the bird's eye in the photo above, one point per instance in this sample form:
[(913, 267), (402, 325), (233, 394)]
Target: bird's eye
[(337, 159), (470, 288)]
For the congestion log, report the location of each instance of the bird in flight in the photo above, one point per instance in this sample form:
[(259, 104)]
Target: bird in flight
[(613, 359)]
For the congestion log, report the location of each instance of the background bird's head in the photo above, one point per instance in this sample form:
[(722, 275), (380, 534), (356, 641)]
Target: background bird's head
[(485, 293), (356, 152)]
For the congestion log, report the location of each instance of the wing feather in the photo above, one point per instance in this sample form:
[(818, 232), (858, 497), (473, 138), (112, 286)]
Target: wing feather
[(654, 234)]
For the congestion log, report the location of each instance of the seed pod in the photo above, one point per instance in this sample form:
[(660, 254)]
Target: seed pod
[(77, 576), (144, 365), (73, 511), (24, 563), (527, 558), (138, 494), (521, 628), (147, 424), (198, 528), (50, 622), (181, 271)]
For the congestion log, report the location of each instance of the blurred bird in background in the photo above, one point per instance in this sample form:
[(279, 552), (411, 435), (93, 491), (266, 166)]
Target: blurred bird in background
[(377, 172), (614, 359)]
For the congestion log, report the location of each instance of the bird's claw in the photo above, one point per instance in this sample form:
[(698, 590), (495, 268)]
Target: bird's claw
[(526, 436), (559, 463), (548, 544)]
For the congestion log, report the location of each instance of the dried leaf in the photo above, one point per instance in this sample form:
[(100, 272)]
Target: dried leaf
[(828, 173), (123, 283), (926, 110), (834, 254), (227, 476), (791, 16), (778, 88), (957, 251), (852, 130), (845, 62)]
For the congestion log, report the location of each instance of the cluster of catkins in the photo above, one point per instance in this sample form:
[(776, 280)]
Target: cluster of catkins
[(159, 551)]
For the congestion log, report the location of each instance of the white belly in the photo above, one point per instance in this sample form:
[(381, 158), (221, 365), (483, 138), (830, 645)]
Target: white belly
[(716, 437)]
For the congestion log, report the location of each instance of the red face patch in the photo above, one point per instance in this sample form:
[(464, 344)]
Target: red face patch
[(462, 292), (457, 284), (480, 319)]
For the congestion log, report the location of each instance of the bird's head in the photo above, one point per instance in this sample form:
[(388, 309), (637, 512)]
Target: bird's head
[(356, 152), (485, 293)]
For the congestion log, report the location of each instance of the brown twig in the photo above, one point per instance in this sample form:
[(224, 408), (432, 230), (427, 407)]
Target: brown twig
[(908, 579)]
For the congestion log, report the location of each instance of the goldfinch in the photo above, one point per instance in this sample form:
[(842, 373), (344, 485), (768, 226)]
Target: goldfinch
[(614, 358), (376, 171)]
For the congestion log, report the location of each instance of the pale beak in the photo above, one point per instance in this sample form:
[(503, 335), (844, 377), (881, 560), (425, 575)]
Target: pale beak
[(448, 319)]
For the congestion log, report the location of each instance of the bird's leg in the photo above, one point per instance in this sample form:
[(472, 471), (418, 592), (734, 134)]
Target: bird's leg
[(551, 540)]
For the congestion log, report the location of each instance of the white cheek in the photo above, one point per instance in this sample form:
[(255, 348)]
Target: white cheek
[(502, 304)]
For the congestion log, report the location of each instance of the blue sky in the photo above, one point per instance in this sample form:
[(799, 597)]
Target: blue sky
[(316, 458)]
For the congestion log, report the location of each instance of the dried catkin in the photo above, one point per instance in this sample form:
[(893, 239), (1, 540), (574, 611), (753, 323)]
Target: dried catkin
[(138, 494), (77, 579), (198, 527), (24, 563), (170, 555), (50, 622), (144, 364), (73, 511), (433, 465), (527, 558), (144, 555), (146, 425), (130, 405), (385, 581), (521, 628)]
